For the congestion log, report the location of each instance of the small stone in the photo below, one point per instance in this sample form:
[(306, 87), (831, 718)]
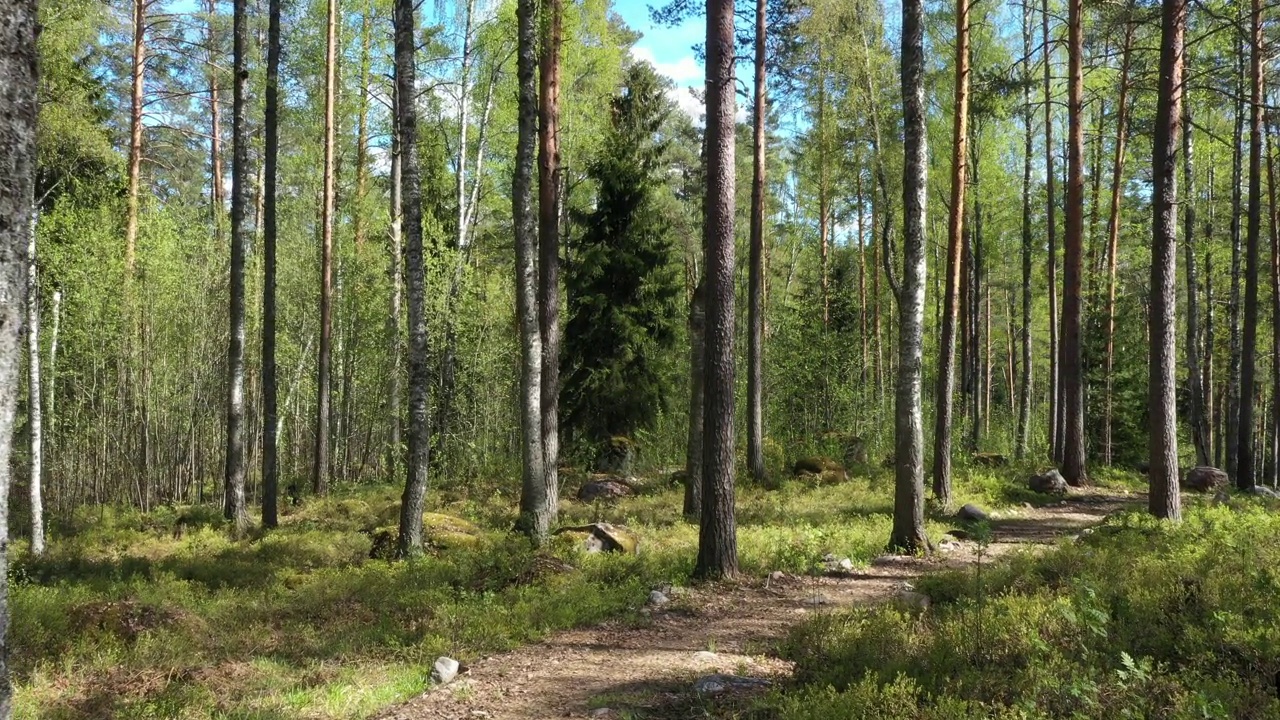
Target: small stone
[(777, 575), (815, 600), (716, 684), (444, 670), (1261, 491), (914, 600), (706, 656), (602, 712), (846, 565), (972, 513), (479, 713), (1050, 482), (658, 598)]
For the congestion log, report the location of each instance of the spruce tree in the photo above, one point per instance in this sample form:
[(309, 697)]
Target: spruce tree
[(621, 283)]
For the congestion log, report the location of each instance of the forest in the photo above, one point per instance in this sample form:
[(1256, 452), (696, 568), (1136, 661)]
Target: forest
[(597, 358)]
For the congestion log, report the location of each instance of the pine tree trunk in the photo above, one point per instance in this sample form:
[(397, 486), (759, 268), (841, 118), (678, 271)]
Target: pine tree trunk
[(534, 520), (234, 477), (549, 253), (1055, 385), (955, 229), (717, 535), (324, 363), (1113, 234), (1073, 460), (1199, 431), (908, 507), (17, 178), (217, 196), (1231, 397), (755, 282), (137, 93), (270, 411), (1028, 148), (1246, 465), (1164, 499), (392, 330), (1273, 469), (415, 486)]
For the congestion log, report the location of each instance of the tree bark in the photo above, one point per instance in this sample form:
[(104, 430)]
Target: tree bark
[(717, 535), (392, 330), (415, 485), (1231, 399), (534, 503), (1164, 499), (1055, 385), (270, 392), (1246, 465), (1113, 233), (17, 188), (1073, 460), (955, 228), (217, 195), (697, 384), (1273, 469), (755, 281), (1024, 403), (137, 93), (908, 506), (240, 231), (549, 252), (324, 362)]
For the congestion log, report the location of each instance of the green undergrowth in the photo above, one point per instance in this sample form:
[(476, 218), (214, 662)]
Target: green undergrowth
[(162, 615), (1136, 619)]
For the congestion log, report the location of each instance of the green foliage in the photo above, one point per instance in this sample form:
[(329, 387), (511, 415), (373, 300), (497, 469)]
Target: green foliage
[(1137, 619), (620, 280)]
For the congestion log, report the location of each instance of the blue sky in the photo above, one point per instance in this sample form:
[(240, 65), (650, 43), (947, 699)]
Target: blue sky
[(669, 50)]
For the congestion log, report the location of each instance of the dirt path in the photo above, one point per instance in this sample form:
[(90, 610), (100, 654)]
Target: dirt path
[(620, 670)]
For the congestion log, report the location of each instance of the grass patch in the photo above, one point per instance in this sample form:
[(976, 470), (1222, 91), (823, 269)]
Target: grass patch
[(1137, 619)]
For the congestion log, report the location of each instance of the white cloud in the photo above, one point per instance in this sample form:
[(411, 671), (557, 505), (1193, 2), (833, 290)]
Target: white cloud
[(683, 70)]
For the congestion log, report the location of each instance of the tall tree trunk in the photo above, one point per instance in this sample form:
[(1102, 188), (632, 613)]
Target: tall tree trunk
[(717, 534), (1028, 148), (324, 363), (235, 461), (33, 388), (755, 282), (697, 384), (955, 228), (415, 485), (270, 411), (1055, 384), (1273, 469), (1199, 431), (534, 520), (137, 93), (1073, 460), (1231, 399), (1246, 465), (549, 251), (908, 505), (1210, 402), (1164, 499), (1113, 233), (393, 337), (217, 196), (17, 188)]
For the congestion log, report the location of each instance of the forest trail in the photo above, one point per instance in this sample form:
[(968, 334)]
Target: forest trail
[(619, 669)]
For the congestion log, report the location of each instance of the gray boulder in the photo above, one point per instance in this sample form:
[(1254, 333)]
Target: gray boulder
[(603, 490), (1050, 482), (972, 513), (1205, 479), (445, 670), (1263, 491)]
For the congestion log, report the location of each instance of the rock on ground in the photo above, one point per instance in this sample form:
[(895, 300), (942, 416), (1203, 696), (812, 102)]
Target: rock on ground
[(717, 684), (603, 490), (1050, 482), (1205, 479), (445, 670), (972, 513)]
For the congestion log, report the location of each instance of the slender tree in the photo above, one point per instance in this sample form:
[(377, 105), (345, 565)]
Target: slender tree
[(1164, 499), (240, 231), (717, 535), (1024, 402), (1246, 464), (1055, 379), (1199, 427), (270, 412), (1071, 363), (33, 388), (1231, 396), (1113, 232), (697, 384), (415, 485), (137, 93), (955, 228), (534, 519), (908, 506), (549, 247), (324, 363), (755, 281), (394, 338)]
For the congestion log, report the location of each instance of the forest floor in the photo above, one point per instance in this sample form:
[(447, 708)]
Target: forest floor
[(648, 667)]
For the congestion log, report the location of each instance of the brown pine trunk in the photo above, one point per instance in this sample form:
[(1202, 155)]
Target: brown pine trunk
[(955, 230), (1073, 459), (217, 198), (1231, 395), (1199, 430), (270, 412), (1164, 499), (1274, 468), (717, 536), (1055, 385), (697, 384), (137, 93), (1246, 471), (324, 364), (1024, 404), (755, 282), (549, 251), (1113, 234)]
